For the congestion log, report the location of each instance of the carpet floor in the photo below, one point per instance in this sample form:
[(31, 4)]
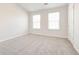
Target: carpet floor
[(37, 45)]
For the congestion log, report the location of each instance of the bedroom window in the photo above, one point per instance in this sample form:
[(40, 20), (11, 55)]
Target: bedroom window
[(36, 21), (54, 21)]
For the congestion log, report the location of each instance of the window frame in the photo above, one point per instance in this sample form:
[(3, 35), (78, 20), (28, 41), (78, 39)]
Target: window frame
[(59, 21), (39, 22)]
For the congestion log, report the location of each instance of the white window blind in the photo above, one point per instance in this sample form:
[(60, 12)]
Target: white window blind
[(54, 20), (36, 21)]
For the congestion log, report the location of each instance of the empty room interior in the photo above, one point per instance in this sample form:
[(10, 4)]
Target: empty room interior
[(39, 28)]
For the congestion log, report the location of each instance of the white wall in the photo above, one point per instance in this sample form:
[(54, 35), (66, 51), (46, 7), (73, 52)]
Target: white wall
[(62, 33), (13, 21), (71, 22), (74, 25)]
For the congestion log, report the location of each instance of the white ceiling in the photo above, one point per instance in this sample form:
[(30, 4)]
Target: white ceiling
[(40, 6)]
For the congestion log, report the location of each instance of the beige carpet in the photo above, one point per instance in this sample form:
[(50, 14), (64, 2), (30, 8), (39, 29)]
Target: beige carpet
[(37, 45)]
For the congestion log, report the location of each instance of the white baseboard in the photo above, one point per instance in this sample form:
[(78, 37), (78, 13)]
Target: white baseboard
[(74, 46), (12, 37), (48, 35)]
